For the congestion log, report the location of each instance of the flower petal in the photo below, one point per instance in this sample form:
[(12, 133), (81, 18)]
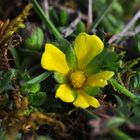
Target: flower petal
[(91, 100), (83, 100), (86, 48), (100, 79), (54, 60), (65, 93)]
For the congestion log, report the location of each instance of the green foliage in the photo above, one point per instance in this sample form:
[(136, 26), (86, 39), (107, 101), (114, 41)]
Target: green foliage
[(2, 135), (43, 138), (92, 91), (37, 99), (5, 81), (135, 81), (106, 14), (30, 88), (54, 16), (106, 60), (59, 77), (59, 18), (120, 135), (116, 113), (138, 44), (64, 17)]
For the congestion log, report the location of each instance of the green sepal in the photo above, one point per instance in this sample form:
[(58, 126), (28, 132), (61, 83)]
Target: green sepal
[(92, 91), (59, 77), (106, 60), (66, 47), (74, 94), (37, 99), (71, 58)]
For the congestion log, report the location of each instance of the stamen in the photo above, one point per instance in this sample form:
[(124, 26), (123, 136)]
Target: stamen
[(77, 79)]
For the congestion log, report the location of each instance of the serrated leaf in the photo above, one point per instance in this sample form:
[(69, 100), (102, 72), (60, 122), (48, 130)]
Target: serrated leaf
[(107, 60)]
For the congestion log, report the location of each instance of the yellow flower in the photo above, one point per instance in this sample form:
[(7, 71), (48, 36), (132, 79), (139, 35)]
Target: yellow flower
[(71, 89)]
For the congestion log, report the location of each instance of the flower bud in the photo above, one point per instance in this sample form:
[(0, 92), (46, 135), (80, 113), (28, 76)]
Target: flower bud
[(33, 37)]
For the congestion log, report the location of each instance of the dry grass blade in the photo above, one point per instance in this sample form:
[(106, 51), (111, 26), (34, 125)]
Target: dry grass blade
[(8, 28), (4, 26)]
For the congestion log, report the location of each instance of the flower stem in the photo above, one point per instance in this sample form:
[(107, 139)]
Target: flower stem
[(45, 19), (123, 90)]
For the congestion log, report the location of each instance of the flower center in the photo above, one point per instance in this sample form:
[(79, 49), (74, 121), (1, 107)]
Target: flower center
[(77, 79)]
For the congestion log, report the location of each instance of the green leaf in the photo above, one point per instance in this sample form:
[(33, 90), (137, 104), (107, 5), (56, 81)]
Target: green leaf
[(37, 99), (120, 135), (16, 57), (107, 60), (138, 43), (39, 78), (135, 81), (64, 17), (30, 88), (53, 16)]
